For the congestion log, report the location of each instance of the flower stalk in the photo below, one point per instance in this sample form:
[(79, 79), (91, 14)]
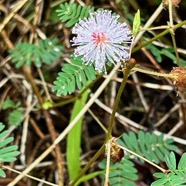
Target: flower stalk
[(107, 40), (126, 73)]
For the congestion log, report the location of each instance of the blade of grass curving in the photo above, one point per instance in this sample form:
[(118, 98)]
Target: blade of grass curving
[(89, 177), (74, 139)]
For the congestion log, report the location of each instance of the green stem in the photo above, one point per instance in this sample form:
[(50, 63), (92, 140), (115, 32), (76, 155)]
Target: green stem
[(120, 91), (64, 102), (158, 36), (109, 134), (171, 25), (92, 160)]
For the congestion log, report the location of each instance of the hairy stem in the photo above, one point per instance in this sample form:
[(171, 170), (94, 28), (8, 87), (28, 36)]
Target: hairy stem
[(171, 76)]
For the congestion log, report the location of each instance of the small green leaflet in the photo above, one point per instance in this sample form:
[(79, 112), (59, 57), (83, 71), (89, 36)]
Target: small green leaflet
[(136, 23)]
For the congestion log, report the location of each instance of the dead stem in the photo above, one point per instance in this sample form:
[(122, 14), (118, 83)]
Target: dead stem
[(49, 122)]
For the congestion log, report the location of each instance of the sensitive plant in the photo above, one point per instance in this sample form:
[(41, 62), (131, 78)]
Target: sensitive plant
[(71, 13), (108, 42), (75, 75), (150, 146), (102, 38), (46, 51), (16, 115), (93, 46), (105, 43), (121, 173), (8, 152), (175, 175)]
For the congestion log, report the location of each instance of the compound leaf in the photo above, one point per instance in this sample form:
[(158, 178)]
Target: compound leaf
[(148, 145), (71, 13), (46, 51), (75, 74), (7, 153)]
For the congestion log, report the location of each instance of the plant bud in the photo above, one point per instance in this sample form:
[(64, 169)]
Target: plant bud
[(180, 78), (116, 152)]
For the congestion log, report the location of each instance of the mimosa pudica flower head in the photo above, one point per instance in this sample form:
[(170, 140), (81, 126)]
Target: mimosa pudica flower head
[(102, 38)]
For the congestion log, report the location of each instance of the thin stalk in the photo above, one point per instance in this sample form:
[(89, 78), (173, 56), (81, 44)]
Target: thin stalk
[(108, 147), (65, 102), (92, 160), (34, 87), (44, 85), (171, 25), (120, 91), (175, 49), (171, 76), (109, 134), (158, 36), (97, 120), (141, 157), (31, 177)]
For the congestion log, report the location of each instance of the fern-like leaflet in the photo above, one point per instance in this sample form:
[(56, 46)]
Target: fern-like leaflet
[(47, 51), (72, 75), (176, 175), (148, 145), (7, 153), (8, 103), (122, 173), (71, 13), (16, 115)]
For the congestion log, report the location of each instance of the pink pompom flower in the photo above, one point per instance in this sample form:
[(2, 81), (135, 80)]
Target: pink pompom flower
[(102, 38)]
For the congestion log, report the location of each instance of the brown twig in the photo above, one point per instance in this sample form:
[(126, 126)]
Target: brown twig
[(12, 14), (49, 122)]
